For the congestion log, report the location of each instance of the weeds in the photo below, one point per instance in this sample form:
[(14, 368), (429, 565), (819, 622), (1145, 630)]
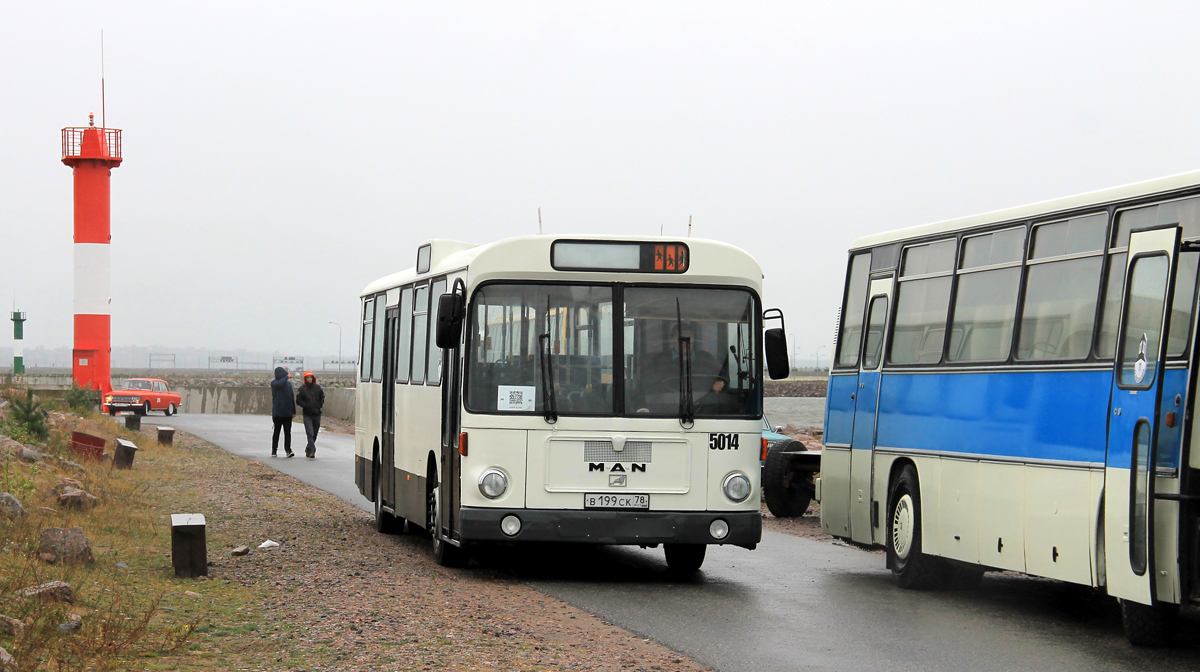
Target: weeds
[(80, 399)]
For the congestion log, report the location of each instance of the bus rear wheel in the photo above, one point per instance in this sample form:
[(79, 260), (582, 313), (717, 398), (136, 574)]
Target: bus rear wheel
[(1147, 625), (684, 558), (788, 492), (444, 553), (912, 568)]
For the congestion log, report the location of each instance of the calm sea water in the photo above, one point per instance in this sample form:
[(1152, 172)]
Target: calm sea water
[(799, 411)]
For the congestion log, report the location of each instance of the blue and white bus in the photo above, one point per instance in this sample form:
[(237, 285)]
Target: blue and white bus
[(1014, 391)]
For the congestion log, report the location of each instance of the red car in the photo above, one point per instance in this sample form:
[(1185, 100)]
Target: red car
[(142, 395)]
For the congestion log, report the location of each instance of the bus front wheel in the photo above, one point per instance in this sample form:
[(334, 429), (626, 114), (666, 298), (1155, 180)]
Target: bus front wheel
[(684, 558), (444, 553), (912, 568), (385, 523), (1147, 625)]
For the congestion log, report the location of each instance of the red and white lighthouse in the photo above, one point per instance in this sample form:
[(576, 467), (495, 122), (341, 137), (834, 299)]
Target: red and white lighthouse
[(92, 153)]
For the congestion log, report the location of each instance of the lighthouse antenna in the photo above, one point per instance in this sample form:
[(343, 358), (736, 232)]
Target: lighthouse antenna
[(103, 116)]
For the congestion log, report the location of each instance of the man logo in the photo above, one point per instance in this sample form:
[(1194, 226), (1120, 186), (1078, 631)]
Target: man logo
[(616, 480), (616, 468)]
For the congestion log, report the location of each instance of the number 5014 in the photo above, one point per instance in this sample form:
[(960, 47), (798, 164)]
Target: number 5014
[(722, 441)]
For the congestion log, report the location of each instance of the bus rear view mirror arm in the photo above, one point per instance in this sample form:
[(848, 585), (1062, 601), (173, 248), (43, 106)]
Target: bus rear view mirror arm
[(775, 346)]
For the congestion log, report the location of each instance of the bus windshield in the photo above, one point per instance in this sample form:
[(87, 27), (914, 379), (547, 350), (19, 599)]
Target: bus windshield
[(516, 328)]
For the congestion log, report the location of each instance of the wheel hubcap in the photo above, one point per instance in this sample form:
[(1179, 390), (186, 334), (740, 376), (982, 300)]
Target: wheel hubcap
[(902, 527)]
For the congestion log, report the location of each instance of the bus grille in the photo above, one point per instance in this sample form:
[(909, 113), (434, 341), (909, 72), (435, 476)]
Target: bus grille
[(602, 451)]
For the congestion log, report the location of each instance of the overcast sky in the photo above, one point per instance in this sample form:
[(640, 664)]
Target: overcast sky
[(278, 157)]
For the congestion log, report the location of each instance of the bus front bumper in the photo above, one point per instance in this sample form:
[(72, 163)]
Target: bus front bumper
[(613, 527)]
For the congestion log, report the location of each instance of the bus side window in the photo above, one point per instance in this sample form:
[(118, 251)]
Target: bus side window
[(404, 342), (985, 305), (379, 327), (1058, 318), (368, 333), (922, 303), (420, 331), (434, 360)]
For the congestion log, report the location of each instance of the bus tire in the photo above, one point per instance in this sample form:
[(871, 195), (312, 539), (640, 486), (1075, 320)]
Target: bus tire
[(1147, 625), (684, 558), (444, 554), (912, 568), (385, 523), (788, 493)]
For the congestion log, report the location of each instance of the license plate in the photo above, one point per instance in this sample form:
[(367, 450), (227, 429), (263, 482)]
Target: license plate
[(610, 501)]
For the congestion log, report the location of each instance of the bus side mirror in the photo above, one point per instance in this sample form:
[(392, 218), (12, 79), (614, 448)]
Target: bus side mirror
[(449, 321), (775, 344)]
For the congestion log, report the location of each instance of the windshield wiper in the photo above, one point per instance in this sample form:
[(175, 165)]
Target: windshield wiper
[(549, 400), (687, 412)]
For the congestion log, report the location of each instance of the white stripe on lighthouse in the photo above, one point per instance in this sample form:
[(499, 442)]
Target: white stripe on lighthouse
[(92, 267)]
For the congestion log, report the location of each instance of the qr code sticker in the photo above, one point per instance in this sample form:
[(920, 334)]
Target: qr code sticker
[(515, 397)]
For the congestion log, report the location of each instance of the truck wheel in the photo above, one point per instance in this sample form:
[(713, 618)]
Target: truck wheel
[(788, 493), (444, 554), (912, 568), (1147, 625), (684, 558)]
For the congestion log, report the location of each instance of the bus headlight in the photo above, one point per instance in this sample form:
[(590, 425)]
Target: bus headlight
[(493, 483), (736, 487)]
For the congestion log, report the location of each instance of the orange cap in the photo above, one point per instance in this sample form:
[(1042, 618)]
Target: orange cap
[(308, 373)]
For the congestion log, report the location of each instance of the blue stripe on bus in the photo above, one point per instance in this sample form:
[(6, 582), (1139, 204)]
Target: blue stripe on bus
[(1047, 415)]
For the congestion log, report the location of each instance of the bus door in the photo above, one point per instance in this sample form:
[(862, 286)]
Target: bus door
[(865, 407), (1134, 415), (451, 374), (387, 451)]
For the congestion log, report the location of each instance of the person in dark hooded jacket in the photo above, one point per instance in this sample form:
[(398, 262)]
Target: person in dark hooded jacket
[(311, 398), (283, 409)]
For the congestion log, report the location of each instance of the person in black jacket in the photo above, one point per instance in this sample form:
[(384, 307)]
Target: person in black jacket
[(283, 409), (311, 398)]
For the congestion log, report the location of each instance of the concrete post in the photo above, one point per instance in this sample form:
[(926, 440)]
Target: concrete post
[(189, 545)]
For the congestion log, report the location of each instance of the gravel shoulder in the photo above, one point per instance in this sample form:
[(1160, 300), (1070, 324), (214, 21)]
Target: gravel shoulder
[(337, 595)]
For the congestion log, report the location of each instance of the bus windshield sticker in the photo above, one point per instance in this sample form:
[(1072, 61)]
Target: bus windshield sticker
[(515, 397)]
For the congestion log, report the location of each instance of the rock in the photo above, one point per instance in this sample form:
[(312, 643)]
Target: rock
[(191, 593), (47, 510), (48, 558), (241, 550), (7, 664), (68, 543), (74, 498), (28, 455), (122, 565), (72, 626), (55, 591), (268, 544), (11, 626), (10, 506), (63, 484), (67, 465), (7, 445)]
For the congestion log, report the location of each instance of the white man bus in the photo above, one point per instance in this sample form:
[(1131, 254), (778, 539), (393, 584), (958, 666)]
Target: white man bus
[(584, 389)]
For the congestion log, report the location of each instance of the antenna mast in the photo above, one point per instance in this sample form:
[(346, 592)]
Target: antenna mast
[(539, 220), (103, 116), (689, 226)]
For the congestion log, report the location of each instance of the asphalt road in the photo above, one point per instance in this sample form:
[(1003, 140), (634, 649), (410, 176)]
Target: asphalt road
[(792, 604)]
